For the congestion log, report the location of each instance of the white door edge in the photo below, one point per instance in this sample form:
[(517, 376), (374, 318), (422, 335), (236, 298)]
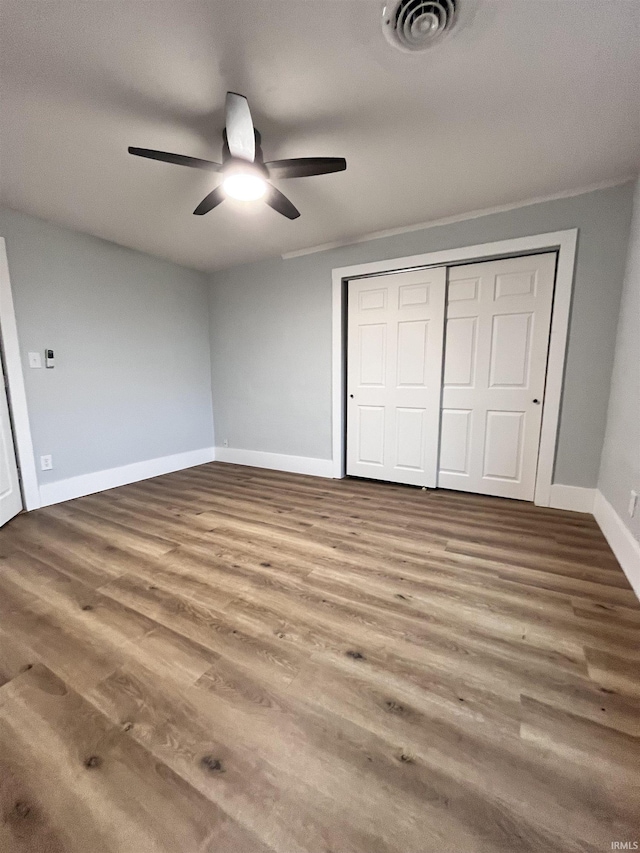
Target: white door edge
[(564, 242), (17, 397)]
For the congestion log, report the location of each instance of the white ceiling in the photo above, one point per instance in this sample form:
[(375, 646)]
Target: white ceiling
[(525, 98)]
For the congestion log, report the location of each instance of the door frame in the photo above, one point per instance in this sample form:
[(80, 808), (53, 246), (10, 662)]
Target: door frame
[(563, 242), (16, 394)]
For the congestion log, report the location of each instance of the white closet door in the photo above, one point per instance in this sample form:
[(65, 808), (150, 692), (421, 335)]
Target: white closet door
[(394, 375), (497, 340)]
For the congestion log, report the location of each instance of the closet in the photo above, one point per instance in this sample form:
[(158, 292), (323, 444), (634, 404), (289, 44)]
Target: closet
[(446, 374)]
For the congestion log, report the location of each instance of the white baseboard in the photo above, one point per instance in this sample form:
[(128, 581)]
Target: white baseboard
[(573, 498), (99, 481), (622, 541), (276, 461)]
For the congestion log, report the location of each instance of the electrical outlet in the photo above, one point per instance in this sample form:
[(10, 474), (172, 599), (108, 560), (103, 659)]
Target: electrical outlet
[(225, 443), (633, 503), (46, 463)]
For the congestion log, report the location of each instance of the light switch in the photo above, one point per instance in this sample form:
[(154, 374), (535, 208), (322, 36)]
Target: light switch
[(34, 359)]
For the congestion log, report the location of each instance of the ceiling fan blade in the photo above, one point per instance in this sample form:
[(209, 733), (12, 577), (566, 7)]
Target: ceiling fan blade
[(275, 199), (178, 159), (303, 167), (209, 202), (239, 126)]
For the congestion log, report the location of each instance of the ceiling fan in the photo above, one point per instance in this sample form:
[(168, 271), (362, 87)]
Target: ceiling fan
[(245, 175)]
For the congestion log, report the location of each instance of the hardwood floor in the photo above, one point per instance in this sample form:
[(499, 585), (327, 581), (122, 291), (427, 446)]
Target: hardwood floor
[(235, 660)]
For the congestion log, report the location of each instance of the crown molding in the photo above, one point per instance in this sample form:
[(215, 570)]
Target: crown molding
[(461, 217)]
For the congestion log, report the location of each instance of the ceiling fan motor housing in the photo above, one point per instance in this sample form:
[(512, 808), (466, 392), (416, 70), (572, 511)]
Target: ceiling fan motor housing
[(416, 25)]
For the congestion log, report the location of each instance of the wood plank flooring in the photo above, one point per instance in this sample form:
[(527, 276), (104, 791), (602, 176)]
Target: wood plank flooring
[(235, 660)]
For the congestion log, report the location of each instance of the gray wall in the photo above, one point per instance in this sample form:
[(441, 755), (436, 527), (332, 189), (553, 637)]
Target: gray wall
[(620, 469), (132, 380), (271, 330)]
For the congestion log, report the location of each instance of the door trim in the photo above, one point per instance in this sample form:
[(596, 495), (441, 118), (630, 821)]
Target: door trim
[(17, 397), (564, 242)]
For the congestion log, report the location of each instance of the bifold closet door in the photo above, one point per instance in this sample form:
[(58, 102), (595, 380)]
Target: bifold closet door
[(394, 375), (497, 341)]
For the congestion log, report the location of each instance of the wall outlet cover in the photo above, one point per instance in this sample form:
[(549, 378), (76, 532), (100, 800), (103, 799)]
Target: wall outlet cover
[(633, 503), (46, 463)]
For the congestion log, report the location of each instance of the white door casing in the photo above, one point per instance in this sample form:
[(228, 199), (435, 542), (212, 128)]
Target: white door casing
[(394, 372), (12, 363), (497, 342), (564, 242), (10, 497)]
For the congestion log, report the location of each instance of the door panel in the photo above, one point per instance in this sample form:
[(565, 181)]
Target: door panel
[(394, 372), (409, 438), (10, 497), (463, 290), (515, 284), (412, 353), (370, 435), (413, 294), (497, 339), (372, 354), (460, 355), (503, 445), (454, 441), (510, 350)]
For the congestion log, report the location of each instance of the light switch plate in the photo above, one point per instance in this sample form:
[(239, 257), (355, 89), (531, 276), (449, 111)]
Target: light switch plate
[(633, 503), (35, 360)]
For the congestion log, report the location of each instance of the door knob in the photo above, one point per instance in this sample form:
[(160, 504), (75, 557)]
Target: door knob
[(536, 401)]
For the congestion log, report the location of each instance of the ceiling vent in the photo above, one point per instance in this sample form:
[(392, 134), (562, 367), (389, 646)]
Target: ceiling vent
[(414, 25)]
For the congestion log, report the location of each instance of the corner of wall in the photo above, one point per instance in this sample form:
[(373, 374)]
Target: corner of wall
[(623, 543), (620, 459)]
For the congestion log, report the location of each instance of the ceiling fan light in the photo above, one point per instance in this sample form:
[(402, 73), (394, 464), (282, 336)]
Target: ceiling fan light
[(244, 186)]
